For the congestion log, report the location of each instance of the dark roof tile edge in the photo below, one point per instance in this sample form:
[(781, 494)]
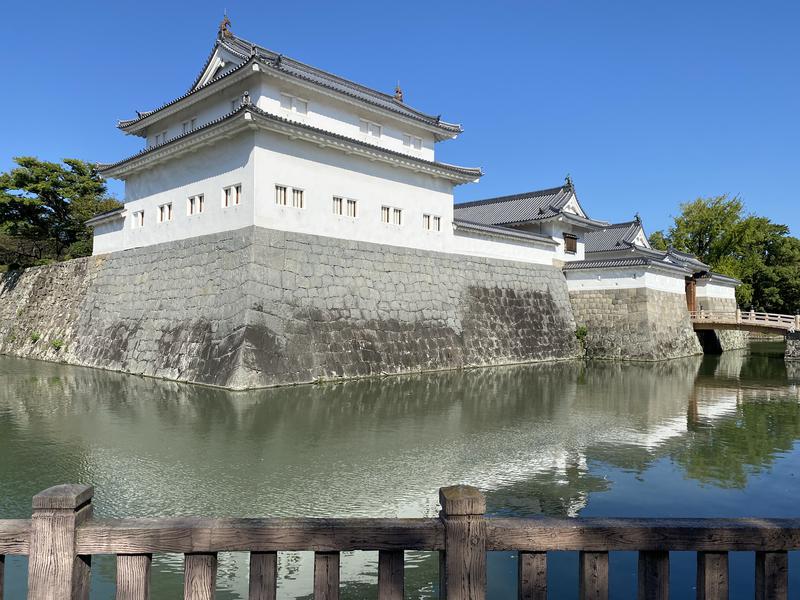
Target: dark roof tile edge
[(407, 110), (466, 171), (504, 231)]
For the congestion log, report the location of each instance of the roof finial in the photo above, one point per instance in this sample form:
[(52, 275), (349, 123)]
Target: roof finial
[(637, 219), (398, 92), (246, 99), (568, 182), (224, 27)]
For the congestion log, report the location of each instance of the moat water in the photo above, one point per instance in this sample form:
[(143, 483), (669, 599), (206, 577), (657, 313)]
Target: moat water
[(705, 436)]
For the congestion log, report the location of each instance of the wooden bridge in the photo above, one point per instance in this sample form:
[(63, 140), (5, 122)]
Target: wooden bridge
[(746, 321), (61, 538)]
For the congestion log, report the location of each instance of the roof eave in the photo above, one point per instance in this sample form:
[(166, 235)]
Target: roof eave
[(496, 231), (251, 117)]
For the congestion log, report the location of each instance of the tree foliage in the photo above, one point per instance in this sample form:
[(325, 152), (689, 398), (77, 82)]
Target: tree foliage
[(754, 249), (43, 208)]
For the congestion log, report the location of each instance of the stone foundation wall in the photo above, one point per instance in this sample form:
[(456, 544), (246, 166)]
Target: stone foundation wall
[(715, 341), (635, 324), (258, 307)]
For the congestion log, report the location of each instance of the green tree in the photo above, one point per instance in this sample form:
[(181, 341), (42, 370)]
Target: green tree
[(43, 208), (754, 249)]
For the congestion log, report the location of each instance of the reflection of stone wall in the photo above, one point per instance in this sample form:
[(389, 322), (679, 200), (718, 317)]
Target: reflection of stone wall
[(257, 307), (792, 346), (721, 340), (638, 324)]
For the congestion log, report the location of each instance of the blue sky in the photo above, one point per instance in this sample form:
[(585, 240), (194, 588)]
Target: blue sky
[(646, 104)]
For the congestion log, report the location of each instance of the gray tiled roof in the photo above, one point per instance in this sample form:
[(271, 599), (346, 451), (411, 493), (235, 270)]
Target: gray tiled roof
[(247, 50), (617, 236), (607, 263), (503, 231), (464, 171), (689, 260), (301, 70), (103, 216), (517, 208)]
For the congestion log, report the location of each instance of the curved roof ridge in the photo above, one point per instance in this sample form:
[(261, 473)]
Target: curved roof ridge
[(339, 78)]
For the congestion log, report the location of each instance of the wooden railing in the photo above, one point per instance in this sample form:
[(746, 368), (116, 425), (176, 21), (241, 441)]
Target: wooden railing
[(61, 538), (742, 317)]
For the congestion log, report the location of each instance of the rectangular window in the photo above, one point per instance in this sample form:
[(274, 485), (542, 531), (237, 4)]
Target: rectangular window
[(431, 223), (161, 138), (194, 205), (351, 208), (412, 141), (337, 205), (138, 219), (385, 212), (232, 195), (297, 199), (280, 195), (397, 216), (370, 128), (165, 213), (570, 243), (294, 104), (187, 126)]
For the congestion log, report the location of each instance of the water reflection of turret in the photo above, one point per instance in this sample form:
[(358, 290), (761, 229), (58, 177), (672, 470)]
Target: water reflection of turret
[(527, 435)]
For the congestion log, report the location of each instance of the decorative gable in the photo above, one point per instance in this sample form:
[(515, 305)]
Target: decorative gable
[(574, 207), (221, 62), (640, 239)]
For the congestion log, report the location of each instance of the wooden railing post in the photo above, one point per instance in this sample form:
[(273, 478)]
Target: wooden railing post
[(772, 576), (797, 322), (738, 315), (712, 576), (55, 571), (463, 566)]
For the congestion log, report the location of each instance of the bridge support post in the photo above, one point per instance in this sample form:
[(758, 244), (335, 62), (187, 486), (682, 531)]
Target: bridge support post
[(792, 346)]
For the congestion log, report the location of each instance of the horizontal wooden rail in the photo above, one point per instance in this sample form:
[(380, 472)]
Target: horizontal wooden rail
[(184, 535), (748, 320), (15, 535), (541, 534), (61, 538)]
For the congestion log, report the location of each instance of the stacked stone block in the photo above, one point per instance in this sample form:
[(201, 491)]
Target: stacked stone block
[(258, 307), (635, 324), (722, 340)]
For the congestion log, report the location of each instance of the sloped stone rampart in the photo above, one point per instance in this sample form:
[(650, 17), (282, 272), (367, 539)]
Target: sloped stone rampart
[(258, 307), (635, 324)]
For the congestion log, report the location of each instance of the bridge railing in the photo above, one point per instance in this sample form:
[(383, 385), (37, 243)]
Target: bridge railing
[(778, 321), (61, 538)]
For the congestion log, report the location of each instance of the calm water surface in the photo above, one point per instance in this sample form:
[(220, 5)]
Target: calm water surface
[(712, 436)]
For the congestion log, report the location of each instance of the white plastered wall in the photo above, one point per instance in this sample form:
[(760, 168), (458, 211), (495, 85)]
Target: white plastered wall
[(337, 116), (323, 173), (710, 289), (625, 278), (207, 171)]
